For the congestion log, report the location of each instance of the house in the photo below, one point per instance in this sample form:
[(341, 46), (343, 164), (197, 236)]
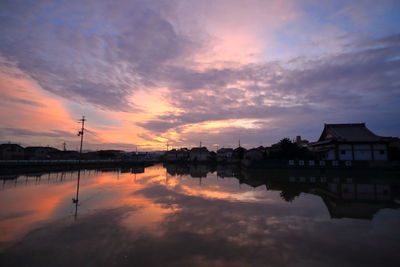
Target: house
[(224, 155), (394, 147), (182, 154), (154, 155), (199, 170), (110, 154), (137, 156), (170, 155), (137, 169), (176, 168), (39, 152), (350, 142), (177, 155), (254, 154), (199, 154), (226, 170), (238, 154), (270, 151), (91, 155), (358, 201), (64, 155), (301, 142), (11, 152)]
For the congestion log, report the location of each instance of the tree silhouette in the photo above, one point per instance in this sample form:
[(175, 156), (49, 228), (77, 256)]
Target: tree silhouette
[(290, 194), (288, 148)]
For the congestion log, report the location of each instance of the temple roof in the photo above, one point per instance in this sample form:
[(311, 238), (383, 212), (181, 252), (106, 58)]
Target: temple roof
[(350, 132)]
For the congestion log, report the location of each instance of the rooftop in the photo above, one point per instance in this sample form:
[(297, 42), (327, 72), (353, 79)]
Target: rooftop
[(351, 132), (13, 146)]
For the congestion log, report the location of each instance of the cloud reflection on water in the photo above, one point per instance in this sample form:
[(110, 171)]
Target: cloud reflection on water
[(169, 220)]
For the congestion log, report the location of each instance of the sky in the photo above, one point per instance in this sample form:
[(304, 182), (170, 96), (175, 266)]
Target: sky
[(145, 73)]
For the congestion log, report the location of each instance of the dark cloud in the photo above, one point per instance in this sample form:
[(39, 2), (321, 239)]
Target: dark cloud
[(98, 53), (25, 132), (159, 125), (355, 73), (16, 100), (356, 85), (387, 41), (102, 53)]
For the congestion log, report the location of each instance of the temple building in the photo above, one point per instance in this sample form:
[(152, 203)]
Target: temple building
[(350, 142)]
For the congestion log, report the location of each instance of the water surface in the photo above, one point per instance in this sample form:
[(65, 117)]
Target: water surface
[(200, 216)]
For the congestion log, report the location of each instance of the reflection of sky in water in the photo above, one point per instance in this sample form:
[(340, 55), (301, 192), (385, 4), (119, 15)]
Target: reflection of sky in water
[(155, 218)]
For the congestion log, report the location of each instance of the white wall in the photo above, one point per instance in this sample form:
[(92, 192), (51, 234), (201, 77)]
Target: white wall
[(330, 155), (362, 155), (379, 156), (348, 155), (363, 152), (380, 152)]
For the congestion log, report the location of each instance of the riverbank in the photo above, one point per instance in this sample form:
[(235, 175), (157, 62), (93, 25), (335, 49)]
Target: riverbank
[(322, 164), (10, 167)]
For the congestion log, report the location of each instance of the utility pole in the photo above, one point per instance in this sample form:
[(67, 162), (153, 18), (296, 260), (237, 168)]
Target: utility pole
[(167, 146), (200, 143), (64, 146), (239, 142), (80, 133)]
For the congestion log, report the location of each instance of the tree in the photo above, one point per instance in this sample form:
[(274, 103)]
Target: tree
[(288, 148), (289, 194)]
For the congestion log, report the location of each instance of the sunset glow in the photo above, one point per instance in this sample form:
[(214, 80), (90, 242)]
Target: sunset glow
[(145, 73)]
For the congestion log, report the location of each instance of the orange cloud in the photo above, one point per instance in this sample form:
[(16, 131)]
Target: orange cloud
[(25, 105)]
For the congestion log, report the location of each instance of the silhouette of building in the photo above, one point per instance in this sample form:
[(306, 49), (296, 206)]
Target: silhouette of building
[(64, 155), (301, 142), (199, 170), (357, 201), (11, 152), (199, 154), (238, 154), (39, 152), (224, 155), (355, 197), (177, 155), (253, 155), (394, 147), (350, 142)]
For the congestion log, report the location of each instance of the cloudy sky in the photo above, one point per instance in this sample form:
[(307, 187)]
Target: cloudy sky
[(148, 72)]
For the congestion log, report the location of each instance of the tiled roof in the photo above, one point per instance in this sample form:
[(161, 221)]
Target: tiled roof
[(199, 149), (225, 150), (354, 132)]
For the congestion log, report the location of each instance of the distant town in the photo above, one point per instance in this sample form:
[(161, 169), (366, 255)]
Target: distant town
[(338, 142)]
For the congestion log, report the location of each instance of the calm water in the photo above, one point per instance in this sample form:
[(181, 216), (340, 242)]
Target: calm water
[(198, 216)]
